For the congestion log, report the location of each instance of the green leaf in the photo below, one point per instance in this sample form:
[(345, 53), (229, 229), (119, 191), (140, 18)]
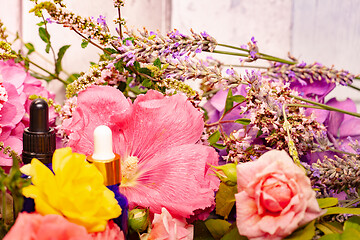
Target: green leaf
[(145, 71), (217, 227), (147, 83), (47, 49), (243, 121), (327, 202), (350, 234), (136, 65), (218, 146), (334, 236), (84, 43), (330, 227), (72, 77), (214, 137), (110, 50), (119, 66), (238, 98), (340, 210), (353, 222), (30, 47), (305, 233), (229, 102), (225, 199), (233, 235), (62, 50), (44, 35), (201, 232), (40, 24), (157, 63)]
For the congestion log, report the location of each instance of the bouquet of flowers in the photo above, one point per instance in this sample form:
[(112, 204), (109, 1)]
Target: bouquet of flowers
[(260, 155)]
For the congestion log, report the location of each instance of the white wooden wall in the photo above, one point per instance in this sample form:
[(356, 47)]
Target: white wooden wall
[(327, 31)]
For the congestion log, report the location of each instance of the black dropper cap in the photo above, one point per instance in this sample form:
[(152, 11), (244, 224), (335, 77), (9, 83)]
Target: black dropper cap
[(38, 139)]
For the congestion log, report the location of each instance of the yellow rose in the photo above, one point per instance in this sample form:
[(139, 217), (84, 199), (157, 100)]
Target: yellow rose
[(76, 190)]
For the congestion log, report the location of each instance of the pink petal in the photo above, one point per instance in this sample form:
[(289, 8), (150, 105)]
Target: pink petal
[(178, 178), (16, 145), (95, 107), (14, 75), (156, 123)]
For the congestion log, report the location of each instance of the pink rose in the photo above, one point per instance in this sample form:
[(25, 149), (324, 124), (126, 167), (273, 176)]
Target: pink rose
[(164, 226), (275, 197), (31, 226)]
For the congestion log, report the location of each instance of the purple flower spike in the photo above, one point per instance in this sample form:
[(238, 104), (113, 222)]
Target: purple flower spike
[(253, 40), (101, 20), (204, 34)]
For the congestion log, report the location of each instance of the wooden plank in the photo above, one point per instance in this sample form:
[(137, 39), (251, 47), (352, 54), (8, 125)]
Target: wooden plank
[(328, 31)]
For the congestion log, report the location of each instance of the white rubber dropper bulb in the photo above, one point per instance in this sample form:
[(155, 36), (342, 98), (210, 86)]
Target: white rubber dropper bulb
[(103, 144)]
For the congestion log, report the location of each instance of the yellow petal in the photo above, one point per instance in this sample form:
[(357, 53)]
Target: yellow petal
[(26, 169), (58, 158)]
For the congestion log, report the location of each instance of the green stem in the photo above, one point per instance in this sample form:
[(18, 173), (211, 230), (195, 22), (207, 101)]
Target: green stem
[(231, 53), (262, 55), (51, 74), (353, 87), (3, 213), (326, 107), (352, 202), (342, 152)]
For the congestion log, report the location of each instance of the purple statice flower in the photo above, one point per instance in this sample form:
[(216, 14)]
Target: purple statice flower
[(129, 43), (101, 20), (129, 58), (230, 71), (48, 20), (243, 46)]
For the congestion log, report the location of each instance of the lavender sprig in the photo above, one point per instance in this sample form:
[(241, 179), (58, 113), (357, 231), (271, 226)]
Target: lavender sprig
[(309, 72), (338, 174), (147, 46)]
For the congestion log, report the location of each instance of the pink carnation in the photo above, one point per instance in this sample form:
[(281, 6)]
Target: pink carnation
[(275, 197), (164, 226), (162, 166), (17, 85), (112, 232), (31, 226)]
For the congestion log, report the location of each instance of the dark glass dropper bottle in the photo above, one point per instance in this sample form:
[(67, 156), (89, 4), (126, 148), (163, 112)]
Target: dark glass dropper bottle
[(38, 139)]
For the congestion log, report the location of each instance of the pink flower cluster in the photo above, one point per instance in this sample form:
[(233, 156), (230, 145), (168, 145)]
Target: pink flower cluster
[(16, 86)]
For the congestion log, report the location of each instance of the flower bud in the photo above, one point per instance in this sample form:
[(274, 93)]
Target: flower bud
[(139, 219), (227, 173)]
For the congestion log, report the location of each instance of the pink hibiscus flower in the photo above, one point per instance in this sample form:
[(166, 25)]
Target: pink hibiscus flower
[(17, 85), (162, 166)]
